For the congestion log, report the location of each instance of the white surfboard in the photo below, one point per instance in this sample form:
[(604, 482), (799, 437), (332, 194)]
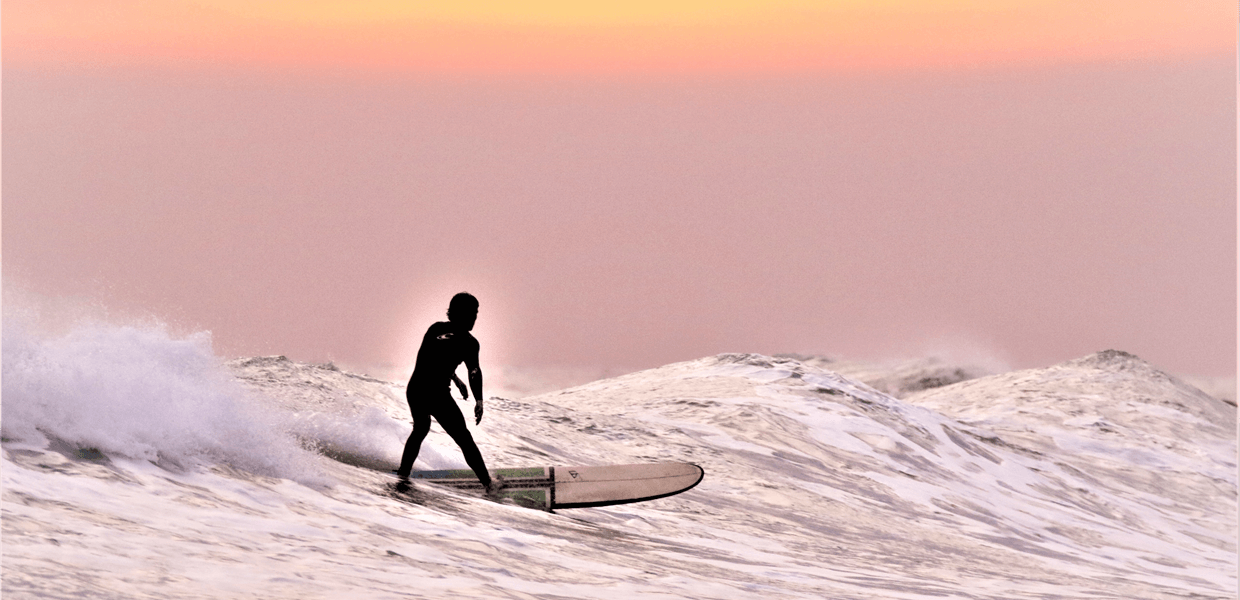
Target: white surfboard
[(550, 488)]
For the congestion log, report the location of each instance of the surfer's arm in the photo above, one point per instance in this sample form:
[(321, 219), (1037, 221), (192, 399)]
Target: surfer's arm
[(460, 385), (475, 383)]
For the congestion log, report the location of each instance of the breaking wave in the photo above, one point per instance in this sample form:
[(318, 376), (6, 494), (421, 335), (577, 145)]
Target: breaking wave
[(136, 392)]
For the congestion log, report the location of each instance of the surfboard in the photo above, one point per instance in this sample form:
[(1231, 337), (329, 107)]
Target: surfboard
[(550, 488)]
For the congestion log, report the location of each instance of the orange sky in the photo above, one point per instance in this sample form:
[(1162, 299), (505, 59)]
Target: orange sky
[(553, 36)]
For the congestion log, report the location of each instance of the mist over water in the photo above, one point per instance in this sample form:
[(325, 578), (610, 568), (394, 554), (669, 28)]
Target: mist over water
[(137, 464)]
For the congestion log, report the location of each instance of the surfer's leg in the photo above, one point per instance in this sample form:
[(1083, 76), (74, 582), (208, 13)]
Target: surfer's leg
[(421, 426), (450, 418)]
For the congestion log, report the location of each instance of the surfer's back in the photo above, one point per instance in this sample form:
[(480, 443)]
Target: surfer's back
[(444, 347)]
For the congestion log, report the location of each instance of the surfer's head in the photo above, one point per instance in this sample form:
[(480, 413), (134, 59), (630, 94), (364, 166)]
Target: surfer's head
[(463, 310)]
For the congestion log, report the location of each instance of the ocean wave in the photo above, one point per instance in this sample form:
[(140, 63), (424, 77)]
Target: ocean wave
[(1100, 477), (136, 392)]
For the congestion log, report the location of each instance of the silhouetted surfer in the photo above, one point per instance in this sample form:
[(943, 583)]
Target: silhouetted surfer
[(445, 346)]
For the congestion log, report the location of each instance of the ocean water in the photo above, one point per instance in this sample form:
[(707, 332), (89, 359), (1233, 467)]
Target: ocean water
[(139, 465)]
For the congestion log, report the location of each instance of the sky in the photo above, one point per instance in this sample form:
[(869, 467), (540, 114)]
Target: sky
[(625, 185)]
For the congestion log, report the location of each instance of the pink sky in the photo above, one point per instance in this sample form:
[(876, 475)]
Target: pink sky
[(1039, 212)]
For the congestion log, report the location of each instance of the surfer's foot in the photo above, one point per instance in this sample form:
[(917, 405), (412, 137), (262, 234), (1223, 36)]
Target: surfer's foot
[(402, 481), (496, 485)]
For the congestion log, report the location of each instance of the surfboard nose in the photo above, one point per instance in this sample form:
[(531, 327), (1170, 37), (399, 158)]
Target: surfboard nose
[(577, 487)]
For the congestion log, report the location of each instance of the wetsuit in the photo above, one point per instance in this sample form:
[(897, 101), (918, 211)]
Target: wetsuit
[(444, 347)]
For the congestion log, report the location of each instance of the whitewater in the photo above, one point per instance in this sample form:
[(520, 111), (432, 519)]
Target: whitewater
[(138, 464)]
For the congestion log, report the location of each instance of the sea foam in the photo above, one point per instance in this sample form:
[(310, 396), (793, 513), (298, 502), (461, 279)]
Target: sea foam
[(136, 392)]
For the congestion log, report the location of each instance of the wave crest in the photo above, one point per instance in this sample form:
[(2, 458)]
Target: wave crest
[(138, 393)]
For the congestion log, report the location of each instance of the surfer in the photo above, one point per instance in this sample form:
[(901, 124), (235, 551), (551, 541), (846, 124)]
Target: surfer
[(445, 346)]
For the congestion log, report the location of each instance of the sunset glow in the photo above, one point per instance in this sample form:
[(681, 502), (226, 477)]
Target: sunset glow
[(737, 36)]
